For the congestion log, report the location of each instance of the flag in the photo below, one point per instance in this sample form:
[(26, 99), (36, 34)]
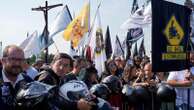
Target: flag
[(27, 40), (72, 51), (78, 27), (134, 34), (31, 45), (139, 44), (141, 18), (87, 53), (126, 49), (61, 21), (170, 34), (141, 50), (97, 45), (134, 6), (108, 45), (118, 50), (42, 40), (134, 50)]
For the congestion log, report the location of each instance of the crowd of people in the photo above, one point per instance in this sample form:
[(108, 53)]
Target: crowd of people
[(125, 85)]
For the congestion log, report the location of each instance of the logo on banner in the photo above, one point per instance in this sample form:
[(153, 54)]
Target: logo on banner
[(174, 35)]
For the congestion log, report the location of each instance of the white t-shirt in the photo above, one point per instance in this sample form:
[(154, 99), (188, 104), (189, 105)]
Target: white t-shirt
[(181, 92)]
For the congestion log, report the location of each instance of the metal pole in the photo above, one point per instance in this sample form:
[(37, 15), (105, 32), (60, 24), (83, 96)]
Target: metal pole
[(188, 99)]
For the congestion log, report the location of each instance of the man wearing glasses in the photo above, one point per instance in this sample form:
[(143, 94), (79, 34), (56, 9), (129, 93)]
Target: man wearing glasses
[(11, 76)]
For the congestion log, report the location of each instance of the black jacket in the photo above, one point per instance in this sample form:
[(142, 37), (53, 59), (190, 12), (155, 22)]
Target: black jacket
[(49, 77), (8, 92)]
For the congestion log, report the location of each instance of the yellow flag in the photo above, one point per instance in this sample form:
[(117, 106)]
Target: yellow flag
[(78, 27)]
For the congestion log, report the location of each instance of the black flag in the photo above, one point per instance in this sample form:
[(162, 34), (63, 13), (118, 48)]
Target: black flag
[(108, 45), (170, 34)]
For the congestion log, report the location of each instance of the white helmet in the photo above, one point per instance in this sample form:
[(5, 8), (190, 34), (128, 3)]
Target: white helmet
[(74, 90)]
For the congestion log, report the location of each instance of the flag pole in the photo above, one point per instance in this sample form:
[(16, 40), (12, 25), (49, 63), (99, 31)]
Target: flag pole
[(45, 11)]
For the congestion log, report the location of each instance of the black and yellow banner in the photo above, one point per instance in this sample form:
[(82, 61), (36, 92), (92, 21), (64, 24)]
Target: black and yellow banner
[(170, 34)]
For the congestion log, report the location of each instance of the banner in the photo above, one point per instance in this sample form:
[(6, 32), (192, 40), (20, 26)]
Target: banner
[(170, 34)]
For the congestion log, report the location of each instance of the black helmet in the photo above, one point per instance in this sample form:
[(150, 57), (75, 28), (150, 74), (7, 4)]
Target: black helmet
[(103, 104), (141, 93), (100, 90), (129, 94), (34, 93), (113, 83), (166, 93)]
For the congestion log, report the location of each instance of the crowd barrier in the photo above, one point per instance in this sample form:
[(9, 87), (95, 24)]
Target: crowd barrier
[(184, 95)]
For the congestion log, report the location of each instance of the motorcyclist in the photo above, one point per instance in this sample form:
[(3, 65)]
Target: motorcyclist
[(60, 66)]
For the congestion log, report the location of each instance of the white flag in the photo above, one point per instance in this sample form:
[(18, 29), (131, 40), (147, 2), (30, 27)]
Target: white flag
[(31, 45), (72, 51), (61, 22), (27, 40), (97, 45), (118, 50), (141, 18)]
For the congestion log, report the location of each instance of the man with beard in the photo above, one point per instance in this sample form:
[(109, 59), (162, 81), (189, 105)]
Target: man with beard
[(11, 76)]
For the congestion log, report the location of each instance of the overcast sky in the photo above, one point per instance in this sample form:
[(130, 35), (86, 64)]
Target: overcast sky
[(17, 18)]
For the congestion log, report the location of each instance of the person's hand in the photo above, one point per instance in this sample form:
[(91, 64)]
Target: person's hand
[(83, 105), (140, 73), (152, 83), (145, 84), (188, 75)]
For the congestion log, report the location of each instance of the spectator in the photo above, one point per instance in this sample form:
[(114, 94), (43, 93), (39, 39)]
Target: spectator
[(11, 76), (129, 74), (29, 70), (38, 64), (111, 69), (120, 63), (61, 65), (91, 76), (78, 65), (183, 79)]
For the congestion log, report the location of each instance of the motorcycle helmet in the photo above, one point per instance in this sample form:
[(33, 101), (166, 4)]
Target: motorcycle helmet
[(74, 90), (142, 94), (100, 90), (113, 83), (34, 93), (103, 104), (166, 93), (129, 94)]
